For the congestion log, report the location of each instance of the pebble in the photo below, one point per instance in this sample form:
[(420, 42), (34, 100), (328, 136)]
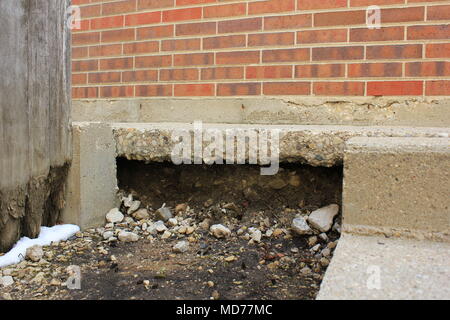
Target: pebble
[(316, 248), (135, 205), (141, 214), (230, 259), (125, 236), (210, 284), (322, 219), (181, 247), (220, 231), (205, 224), (324, 237), (108, 234), (277, 232), (256, 235), (172, 222), (160, 226), (300, 227), (332, 245), (128, 201), (182, 207), (326, 252), (305, 271), (312, 241), (166, 235), (114, 216), (324, 262), (215, 295), (34, 253), (164, 214), (6, 281)]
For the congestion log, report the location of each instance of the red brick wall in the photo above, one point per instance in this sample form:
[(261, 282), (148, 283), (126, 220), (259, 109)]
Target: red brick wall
[(177, 48)]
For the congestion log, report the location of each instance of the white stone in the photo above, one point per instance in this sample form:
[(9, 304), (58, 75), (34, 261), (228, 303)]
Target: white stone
[(172, 222), (114, 216), (300, 226), (164, 214), (125, 236), (322, 219), (108, 234), (256, 235), (134, 207), (160, 226), (220, 231), (128, 201), (166, 235), (6, 281), (34, 253), (181, 247)]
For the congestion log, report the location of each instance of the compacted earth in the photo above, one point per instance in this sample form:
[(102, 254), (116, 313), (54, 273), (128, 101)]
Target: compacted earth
[(178, 253)]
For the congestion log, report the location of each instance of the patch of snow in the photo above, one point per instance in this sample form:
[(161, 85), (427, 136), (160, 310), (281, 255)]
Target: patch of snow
[(46, 237)]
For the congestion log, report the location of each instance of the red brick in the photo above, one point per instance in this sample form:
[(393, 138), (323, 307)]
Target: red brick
[(382, 34), (340, 18), (268, 72), (228, 10), (181, 14), (288, 22), (155, 32), (222, 73), (107, 22), (85, 65), (118, 35), (153, 61), (104, 77), (286, 55), (116, 63), (220, 42), (238, 89), (141, 47), (140, 75), (106, 50), (196, 90), (200, 28), (192, 2), (339, 88), (155, 4), (428, 69), (337, 53), (241, 25), (181, 45), (270, 6), (320, 71), (403, 15), (287, 88), (322, 36), (142, 18), (366, 3), (438, 50), (78, 53), (84, 93), (79, 78), (428, 32), (438, 13), (395, 88), (271, 39), (80, 39), (118, 7), (178, 74), (320, 4), (394, 51), (158, 90), (368, 70), (237, 57), (194, 59), (117, 92), (438, 88)]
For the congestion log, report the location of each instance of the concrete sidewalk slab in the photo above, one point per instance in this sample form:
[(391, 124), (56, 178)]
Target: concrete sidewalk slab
[(387, 268)]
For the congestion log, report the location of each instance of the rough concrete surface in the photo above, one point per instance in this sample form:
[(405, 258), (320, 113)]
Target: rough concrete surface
[(383, 268), (401, 111), (92, 183), (400, 185)]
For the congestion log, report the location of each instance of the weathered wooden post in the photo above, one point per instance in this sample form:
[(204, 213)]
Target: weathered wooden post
[(35, 138)]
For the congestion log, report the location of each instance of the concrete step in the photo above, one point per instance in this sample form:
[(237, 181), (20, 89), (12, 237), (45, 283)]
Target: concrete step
[(397, 186), (376, 267)]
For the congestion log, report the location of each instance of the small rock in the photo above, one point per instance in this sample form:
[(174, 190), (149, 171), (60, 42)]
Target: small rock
[(181, 247), (326, 252), (182, 207), (164, 214), (294, 250), (323, 236), (172, 222), (305, 271), (141, 214), (312, 241), (55, 283), (332, 245), (34, 253), (256, 236), (322, 219), (128, 201), (114, 216), (210, 284), (6, 281), (39, 278), (205, 224), (316, 248), (160, 226), (166, 235), (300, 226), (190, 230), (337, 227), (294, 181), (230, 259), (220, 231), (208, 203), (215, 295), (277, 232), (108, 234), (277, 184), (135, 205), (125, 236), (324, 262)]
